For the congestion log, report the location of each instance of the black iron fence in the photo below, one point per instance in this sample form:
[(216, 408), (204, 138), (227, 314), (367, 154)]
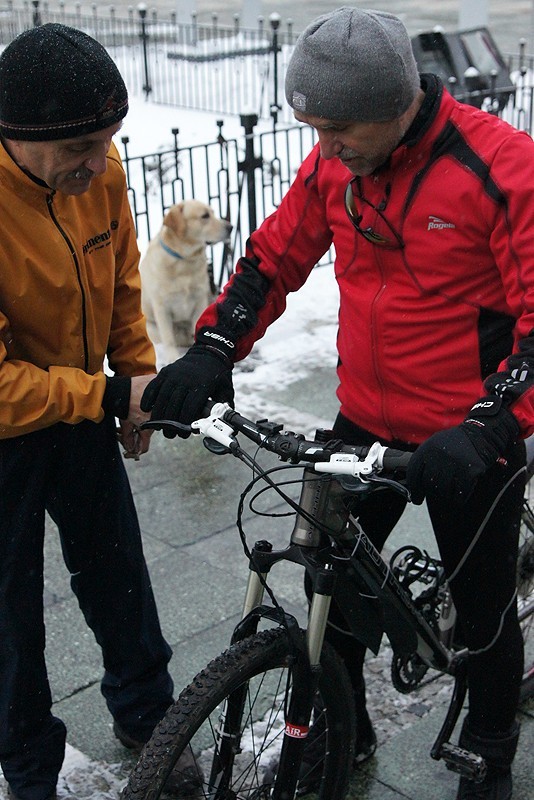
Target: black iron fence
[(227, 69), (204, 66), (243, 180)]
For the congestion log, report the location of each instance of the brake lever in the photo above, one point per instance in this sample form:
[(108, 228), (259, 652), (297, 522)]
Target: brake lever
[(166, 424)]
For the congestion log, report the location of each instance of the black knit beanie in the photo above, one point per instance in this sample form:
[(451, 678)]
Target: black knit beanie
[(57, 83)]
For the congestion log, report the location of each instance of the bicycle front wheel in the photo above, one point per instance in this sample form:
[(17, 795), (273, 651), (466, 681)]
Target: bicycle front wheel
[(525, 590), (231, 718)]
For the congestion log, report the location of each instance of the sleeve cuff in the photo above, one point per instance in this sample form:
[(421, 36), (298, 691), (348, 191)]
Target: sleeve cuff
[(116, 398), (217, 341)]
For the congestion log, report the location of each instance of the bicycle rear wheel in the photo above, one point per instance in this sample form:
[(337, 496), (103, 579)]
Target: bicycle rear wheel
[(249, 685), (525, 590)]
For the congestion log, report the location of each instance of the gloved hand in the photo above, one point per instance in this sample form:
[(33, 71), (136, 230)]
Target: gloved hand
[(450, 462), (180, 390)]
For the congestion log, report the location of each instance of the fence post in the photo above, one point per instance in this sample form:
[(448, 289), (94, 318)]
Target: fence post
[(194, 29), (290, 31), (274, 19), (36, 14), (250, 165), (141, 8)]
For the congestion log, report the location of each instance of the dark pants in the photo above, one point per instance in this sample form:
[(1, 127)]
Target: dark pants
[(482, 585), (76, 473)]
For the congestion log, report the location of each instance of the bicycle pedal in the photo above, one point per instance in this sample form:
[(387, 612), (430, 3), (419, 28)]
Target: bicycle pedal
[(469, 765)]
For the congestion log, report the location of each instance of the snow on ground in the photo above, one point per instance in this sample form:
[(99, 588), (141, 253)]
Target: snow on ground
[(149, 126)]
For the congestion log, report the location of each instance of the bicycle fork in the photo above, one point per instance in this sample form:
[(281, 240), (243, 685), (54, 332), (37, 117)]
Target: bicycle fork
[(306, 663), (305, 673)]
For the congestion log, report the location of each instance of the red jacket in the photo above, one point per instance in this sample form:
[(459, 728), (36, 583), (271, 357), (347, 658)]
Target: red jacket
[(420, 328)]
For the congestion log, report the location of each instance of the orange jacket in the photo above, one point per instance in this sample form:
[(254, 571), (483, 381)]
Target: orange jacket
[(69, 296)]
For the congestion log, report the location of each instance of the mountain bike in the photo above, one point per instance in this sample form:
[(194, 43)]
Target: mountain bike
[(247, 715)]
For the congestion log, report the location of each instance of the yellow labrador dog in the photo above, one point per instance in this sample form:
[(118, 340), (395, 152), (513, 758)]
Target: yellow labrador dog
[(174, 274)]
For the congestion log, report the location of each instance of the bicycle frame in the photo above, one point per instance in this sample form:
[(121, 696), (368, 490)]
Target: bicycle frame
[(409, 632), (328, 541)]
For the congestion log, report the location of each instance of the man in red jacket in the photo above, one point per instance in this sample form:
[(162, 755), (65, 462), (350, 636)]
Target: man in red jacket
[(432, 223)]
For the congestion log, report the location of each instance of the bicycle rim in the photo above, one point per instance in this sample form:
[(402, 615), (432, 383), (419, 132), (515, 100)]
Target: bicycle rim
[(231, 717), (525, 590)]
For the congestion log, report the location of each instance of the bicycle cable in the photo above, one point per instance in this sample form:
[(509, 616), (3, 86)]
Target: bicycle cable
[(262, 474), (469, 550)]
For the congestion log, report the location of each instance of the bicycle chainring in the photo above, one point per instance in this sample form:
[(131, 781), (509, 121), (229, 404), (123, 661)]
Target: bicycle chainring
[(407, 672)]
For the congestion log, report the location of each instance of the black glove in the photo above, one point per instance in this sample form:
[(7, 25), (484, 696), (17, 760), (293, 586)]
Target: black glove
[(450, 462), (179, 392)]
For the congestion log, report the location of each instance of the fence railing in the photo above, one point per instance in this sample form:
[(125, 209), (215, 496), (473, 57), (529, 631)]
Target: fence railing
[(221, 68), (228, 69), (243, 180), (202, 66)]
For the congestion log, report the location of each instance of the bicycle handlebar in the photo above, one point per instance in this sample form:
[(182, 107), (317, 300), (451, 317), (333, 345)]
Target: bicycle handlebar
[(332, 456)]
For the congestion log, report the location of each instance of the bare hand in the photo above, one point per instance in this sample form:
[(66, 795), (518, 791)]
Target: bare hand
[(138, 386), (134, 441)]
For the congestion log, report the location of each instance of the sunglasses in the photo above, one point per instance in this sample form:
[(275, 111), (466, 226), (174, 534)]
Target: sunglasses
[(390, 239)]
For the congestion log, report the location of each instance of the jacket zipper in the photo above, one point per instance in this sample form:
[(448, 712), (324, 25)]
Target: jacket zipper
[(49, 203), (375, 316), (376, 344)]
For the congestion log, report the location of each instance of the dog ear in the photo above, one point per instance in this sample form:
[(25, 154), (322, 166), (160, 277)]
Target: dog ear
[(174, 219)]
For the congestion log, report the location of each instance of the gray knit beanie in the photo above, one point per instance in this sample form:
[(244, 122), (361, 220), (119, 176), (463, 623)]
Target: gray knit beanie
[(353, 64)]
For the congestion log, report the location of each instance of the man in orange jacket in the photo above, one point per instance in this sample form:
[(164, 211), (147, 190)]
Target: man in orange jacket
[(69, 296)]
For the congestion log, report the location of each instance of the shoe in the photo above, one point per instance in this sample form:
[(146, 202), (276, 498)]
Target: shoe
[(493, 787), (186, 776), (498, 751), (126, 740), (12, 796), (311, 768), (365, 744)]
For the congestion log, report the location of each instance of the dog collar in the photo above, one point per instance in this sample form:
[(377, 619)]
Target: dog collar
[(170, 251)]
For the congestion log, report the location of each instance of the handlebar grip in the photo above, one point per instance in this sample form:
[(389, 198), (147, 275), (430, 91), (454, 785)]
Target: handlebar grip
[(396, 460)]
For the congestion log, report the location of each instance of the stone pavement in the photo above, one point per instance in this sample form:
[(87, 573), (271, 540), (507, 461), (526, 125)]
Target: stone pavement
[(187, 500)]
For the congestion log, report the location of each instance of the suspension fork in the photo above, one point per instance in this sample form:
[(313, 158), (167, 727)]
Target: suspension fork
[(306, 673), (306, 667), (314, 500)]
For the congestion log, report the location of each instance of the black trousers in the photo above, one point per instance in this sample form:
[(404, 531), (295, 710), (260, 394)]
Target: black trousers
[(76, 473), (482, 580)]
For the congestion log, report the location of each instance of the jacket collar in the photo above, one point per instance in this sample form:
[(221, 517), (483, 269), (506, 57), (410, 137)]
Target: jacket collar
[(422, 123), (433, 89), (16, 178)]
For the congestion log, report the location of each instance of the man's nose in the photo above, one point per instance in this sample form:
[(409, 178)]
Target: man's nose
[(97, 161), (329, 144)]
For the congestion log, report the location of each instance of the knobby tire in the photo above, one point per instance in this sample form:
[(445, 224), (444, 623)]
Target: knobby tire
[(259, 663)]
